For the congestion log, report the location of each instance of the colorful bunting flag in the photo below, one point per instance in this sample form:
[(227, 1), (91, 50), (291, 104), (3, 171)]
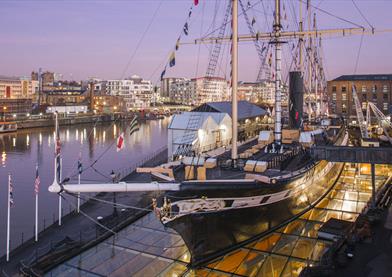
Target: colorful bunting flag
[(186, 28), (253, 21), (196, 2), (11, 190), (178, 44), (120, 142), (37, 181), (172, 61), (163, 73)]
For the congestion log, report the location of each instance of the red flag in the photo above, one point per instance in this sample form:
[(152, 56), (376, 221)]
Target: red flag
[(120, 142), (196, 2)]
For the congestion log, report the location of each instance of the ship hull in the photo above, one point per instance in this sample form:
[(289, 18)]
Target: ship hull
[(211, 234)]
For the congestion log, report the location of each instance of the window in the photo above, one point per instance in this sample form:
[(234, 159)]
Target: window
[(385, 88), (333, 88), (364, 96), (385, 106), (334, 96), (344, 108), (344, 96), (374, 97), (364, 104), (385, 96), (344, 89), (374, 88), (364, 89)]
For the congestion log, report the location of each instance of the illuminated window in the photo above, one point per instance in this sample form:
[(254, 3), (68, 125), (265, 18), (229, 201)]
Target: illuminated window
[(385, 106), (344, 96), (385, 88), (364, 89), (334, 96)]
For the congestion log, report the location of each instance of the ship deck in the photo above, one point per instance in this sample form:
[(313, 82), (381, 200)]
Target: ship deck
[(146, 248)]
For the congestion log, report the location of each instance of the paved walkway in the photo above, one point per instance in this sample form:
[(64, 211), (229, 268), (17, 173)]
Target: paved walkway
[(76, 226)]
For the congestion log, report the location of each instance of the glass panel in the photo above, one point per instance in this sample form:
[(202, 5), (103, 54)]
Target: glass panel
[(153, 268), (349, 216), (303, 248), (360, 206), (133, 266), (319, 249), (117, 260), (251, 264), (318, 215), (351, 195), (363, 196), (295, 227), (349, 206), (285, 245), (311, 229), (231, 261), (293, 268), (175, 269), (203, 272), (273, 266), (335, 204), (266, 244)]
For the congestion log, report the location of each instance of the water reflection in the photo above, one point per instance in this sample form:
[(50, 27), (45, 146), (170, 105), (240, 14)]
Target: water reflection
[(21, 151)]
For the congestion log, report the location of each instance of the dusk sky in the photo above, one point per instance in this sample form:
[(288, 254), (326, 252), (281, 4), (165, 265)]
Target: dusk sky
[(81, 39)]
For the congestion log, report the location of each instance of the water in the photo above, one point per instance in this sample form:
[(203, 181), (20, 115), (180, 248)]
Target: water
[(21, 151)]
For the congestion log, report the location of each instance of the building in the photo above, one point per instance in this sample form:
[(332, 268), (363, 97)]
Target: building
[(63, 94), (108, 104), (165, 87), (17, 88), (197, 91), (9, 108), (261, 93), (374, 88), (136, 92)]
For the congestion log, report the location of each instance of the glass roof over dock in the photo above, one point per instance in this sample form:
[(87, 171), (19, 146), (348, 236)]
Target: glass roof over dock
[(146, 248)]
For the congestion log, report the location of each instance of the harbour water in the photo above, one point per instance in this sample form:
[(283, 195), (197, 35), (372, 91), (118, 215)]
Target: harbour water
[(21, 151)]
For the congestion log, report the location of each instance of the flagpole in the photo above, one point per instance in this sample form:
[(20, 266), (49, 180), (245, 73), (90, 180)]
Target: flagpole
[(36, 189), (36, 217), (8, 217), (78, 206), (61, 165)]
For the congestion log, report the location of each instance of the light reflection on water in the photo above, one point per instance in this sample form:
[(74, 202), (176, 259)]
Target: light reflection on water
[(22, 150)]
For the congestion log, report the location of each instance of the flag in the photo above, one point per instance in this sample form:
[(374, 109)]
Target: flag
[(186, 28), (196, 2), (253, 21), (178, 44), (120, 142), (80, 167), (172, 61), (270, 59), (163, 73), (11, 190), (134, 126), (37, 181)]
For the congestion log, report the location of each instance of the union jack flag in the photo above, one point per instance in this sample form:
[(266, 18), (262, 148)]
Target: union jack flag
[(37, 181)]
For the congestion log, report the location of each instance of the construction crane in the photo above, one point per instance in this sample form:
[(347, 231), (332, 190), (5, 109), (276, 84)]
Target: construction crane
[(358, 108), (383, 120)]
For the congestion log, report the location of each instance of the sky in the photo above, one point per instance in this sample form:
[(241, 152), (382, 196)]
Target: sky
[(118, 38)]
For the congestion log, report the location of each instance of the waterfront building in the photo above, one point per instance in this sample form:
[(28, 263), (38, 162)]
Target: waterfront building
[(374, 88), (200, 90), (47, 77), (136, 92), (64, 93), (261, 93), (165, 87), (103, 103), (17, 88)]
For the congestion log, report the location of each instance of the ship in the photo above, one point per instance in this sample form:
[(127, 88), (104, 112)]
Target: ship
[(219, 202)]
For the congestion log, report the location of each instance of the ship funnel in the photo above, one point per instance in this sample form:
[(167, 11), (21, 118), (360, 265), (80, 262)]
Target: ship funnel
[(296, 99)]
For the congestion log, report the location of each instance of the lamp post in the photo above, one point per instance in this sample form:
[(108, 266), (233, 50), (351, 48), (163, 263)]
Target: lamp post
[(113, 176)]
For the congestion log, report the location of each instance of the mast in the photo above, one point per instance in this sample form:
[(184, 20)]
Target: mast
[(310, 50), (234, 79), (278, 73), (301, 40)]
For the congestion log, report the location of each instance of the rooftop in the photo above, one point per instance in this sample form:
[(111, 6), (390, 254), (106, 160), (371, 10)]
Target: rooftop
[(245, 109), (365, 77)]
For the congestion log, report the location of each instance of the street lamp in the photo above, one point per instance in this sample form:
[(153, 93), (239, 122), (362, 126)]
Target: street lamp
[(113, 176)]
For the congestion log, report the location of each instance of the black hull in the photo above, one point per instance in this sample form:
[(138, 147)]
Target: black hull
[(211, 234)]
